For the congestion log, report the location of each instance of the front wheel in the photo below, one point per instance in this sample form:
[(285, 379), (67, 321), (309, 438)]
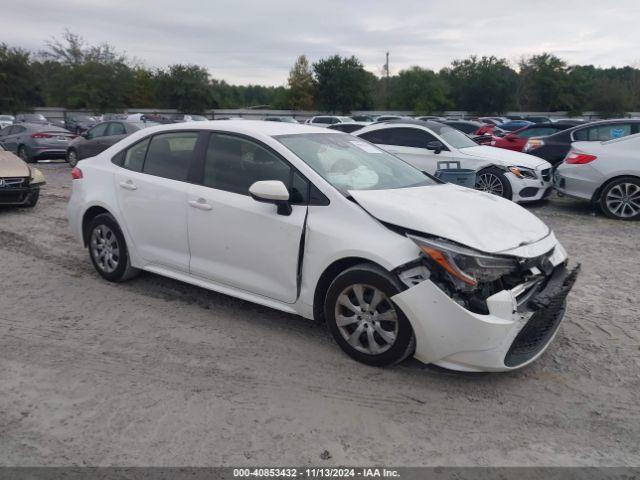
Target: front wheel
[(493, 180), (621, 199), (364, 321), (108, 249), (23, 154)]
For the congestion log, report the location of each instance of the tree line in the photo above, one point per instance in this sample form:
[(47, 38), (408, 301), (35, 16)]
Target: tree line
[(70, 73)]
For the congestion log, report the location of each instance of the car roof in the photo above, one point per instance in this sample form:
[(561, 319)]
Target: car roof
[(410, 122), (251, 127)]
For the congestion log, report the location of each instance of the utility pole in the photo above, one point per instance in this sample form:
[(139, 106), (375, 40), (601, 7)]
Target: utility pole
[(386, 69)]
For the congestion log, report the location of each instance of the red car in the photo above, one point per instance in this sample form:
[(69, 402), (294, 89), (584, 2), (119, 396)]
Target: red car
[(516, 140)]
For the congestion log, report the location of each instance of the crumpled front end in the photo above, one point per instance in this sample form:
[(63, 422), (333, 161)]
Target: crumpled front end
[(498, 327)]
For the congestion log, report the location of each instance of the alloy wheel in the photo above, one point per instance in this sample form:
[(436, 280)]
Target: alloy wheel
[(490, 183), (105, 249), (623, 200), (366, 319)]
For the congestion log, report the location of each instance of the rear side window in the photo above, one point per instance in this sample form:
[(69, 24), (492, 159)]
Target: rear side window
[(379, 137), (537, 132), (134, 156), (602, 133), (169, 155)]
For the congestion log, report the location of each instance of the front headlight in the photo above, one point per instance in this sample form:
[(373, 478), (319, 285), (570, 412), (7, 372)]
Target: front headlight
[(37, 178), (523, 172), (464, 264)]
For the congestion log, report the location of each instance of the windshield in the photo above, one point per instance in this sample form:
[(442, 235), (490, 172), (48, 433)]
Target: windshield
[(346, 119), (456, 138), (349, 163)]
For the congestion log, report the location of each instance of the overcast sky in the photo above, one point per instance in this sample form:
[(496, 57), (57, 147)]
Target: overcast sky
[(257, 41)]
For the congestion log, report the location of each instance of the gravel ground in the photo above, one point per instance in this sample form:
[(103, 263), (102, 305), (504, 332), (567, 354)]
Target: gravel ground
[(156, 372)]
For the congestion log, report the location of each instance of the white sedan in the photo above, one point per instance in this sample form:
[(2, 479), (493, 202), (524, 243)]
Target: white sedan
[(324, 225), (426, 144)]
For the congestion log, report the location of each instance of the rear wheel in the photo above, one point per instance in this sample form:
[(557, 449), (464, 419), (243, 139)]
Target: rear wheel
[(72, 157), (108, 249), (621, 199), (364, 321), (493, 180)]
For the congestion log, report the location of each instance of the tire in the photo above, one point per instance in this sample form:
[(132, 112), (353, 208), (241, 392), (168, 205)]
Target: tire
[(24, 154), (493, 180), (72, 157), (108, 249), (33, 199), (388, 328), (620, 199)]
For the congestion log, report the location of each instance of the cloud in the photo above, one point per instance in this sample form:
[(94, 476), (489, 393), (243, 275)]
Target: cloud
[(252, 41)]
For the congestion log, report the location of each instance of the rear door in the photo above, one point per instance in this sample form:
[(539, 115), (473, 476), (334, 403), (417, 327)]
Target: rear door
[(14, 138), (235, 240), (152, 191), (116, 131)]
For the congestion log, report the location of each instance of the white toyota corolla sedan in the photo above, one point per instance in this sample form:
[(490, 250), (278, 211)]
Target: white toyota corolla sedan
[(330, 227)]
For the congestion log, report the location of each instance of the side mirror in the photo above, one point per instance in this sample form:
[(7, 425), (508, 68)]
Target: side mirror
[(511, 137), (272, 191), (85, 135), (436, 145)]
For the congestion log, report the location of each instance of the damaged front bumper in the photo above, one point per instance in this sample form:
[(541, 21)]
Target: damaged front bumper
[(18, 194), (521, 322)]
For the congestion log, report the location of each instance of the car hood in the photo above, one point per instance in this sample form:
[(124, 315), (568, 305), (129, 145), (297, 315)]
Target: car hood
[(12, 166), (505, 157), (476, 219)]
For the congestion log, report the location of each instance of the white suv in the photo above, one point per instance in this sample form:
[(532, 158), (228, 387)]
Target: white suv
[(321, 224), (424, 144)]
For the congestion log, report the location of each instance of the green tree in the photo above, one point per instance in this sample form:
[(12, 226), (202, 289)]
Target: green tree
[(545, 84), (19, 89), (482, 85), (342, 84), (301, 85), (419, 90), (183, 87), (81, 76)]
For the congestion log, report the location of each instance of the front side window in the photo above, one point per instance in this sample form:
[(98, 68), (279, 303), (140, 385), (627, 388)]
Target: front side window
[(321, 120), (348, 163), (116, 128), (97, 131), (456, 138), (234, 164), (169, 155)]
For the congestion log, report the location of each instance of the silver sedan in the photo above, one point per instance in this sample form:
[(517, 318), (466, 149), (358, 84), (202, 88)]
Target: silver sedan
[(604, 173)]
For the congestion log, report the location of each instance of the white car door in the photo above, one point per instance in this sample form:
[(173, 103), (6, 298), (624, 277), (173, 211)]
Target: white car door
[(236, 240), (152, 196), (410, 145)]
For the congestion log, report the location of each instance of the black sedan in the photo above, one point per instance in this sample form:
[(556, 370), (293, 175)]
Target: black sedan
[(99, 138), (554, 148)]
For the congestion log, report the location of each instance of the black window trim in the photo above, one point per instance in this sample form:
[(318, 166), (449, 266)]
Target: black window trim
[(195, 175), (200, 160)]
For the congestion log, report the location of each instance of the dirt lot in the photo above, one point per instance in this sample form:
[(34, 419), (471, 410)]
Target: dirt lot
[(156, 372)]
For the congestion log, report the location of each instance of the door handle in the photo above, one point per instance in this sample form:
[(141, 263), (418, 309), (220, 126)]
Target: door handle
[(200, 204), (128, 185)]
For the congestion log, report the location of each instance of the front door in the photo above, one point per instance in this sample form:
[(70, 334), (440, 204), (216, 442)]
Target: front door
[(235, 240)]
